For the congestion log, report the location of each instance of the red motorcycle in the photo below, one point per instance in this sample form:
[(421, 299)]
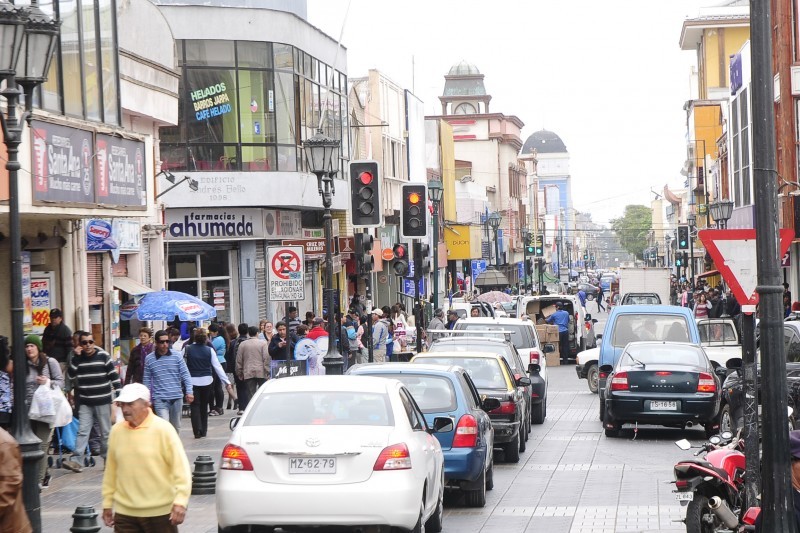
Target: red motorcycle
[(712, 488)]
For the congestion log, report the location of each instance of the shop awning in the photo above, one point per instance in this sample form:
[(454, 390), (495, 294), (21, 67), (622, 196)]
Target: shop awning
[(708, 274), (547, 277), (132, 287)]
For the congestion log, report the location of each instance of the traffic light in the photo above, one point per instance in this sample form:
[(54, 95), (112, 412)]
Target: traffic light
[(413, 220), (529, 268), (683, 237), (422, 259), (678, 261), (364, 260), (365, 194), (585, 256), (400, 260), (539, 251)]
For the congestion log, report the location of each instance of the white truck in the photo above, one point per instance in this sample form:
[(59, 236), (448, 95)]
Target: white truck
[(645, 280)]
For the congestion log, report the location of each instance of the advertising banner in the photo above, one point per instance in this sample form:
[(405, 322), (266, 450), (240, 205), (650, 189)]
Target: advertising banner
[(214, 224), (41, 303), (120, 172), (62, 164), (286, 273), (279, 224), (27, 305)]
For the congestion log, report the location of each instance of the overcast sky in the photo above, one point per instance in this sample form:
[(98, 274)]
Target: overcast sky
[(608, 77)]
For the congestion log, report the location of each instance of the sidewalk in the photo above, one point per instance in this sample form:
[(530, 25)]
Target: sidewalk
[(69, 490)]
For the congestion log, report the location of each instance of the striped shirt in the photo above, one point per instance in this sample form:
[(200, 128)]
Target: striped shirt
[(167, 376), (94, 376)]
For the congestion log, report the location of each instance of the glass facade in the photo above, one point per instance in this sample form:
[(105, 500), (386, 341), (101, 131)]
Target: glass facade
[(83, 80), (248, 106)]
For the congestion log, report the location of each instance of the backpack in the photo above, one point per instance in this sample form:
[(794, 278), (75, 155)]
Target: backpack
[(351, 333)]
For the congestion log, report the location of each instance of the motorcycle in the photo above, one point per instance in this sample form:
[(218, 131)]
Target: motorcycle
[(712, 488)]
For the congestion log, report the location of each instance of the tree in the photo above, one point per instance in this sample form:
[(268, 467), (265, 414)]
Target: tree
[(632, 228)]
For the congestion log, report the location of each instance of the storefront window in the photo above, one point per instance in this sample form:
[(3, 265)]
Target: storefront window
[(283, 55), (253, 55), (182, 266), (284, 104), (213, 157), (108, 56), (90, 70), (206, 276), (208, 53), (211, 106), (71, 59), (257, 112), (173, 157), (258, 158), (287, 158)]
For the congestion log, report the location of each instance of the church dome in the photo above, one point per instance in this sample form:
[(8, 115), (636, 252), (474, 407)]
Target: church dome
[(463, 69), (464, 79), (544, 142)]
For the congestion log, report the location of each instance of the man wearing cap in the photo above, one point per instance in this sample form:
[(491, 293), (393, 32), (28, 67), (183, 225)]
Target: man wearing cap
[(317, 329), (435, 323), (57, 339), (144, 491), (561, 319), (452, 318), (380, 332)]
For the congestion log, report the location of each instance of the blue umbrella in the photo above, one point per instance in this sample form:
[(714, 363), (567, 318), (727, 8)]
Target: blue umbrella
[(166, 305)]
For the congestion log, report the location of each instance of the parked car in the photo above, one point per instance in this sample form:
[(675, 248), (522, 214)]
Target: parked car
[(494, 379), (720, 340), (449, 392), (590, 290), (662, 383), (732, 411), (641, 298), (352, 451), (535, 394), (588, 371)]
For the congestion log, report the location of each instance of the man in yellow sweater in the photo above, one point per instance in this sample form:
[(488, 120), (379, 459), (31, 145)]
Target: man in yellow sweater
[(147, 481)]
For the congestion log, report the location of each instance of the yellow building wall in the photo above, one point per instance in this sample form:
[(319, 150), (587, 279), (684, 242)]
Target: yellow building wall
[(716, 67), (463, 241), (707, 128), (448, 151)]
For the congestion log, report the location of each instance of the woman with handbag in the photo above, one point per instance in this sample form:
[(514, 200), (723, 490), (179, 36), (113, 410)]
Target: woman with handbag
[(42, 370)]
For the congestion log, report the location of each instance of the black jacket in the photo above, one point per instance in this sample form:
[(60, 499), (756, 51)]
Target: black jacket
[(281, 354)]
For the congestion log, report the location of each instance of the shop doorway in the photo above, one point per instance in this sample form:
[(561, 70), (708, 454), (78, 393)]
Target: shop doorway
[(207, 275)]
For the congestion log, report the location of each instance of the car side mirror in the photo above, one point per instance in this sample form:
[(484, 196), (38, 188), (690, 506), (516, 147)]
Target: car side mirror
[(523, 381), (606, 369), (234, 422), (490, 404), (533, 368), (588, 316), (442, 424), (549, 348), (722, 372)]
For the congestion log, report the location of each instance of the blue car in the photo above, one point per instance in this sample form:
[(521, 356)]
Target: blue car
[(448, 391)]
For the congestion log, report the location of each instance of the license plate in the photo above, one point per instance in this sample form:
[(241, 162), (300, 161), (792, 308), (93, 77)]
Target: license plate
[(684, 496), (312, 465), (659, 405)]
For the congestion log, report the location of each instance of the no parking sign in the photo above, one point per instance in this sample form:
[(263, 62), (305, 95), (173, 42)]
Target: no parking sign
[(286, 273)]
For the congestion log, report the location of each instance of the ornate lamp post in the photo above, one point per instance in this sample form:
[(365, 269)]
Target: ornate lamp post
[(692, 220), (494, 223), (721, 211), (322, 156), (27, 41), (435, 191)]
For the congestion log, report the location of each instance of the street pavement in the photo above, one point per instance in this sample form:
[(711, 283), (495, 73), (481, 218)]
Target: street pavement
[(571, 479)]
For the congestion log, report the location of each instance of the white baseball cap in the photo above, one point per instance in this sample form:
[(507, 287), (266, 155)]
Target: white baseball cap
[(132, 392), (377, 311)]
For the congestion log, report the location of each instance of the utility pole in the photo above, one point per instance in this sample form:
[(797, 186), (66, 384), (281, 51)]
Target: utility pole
[(776, 499)]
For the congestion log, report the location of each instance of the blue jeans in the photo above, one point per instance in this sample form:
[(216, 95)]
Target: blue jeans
[(169, 410), (87, 416)]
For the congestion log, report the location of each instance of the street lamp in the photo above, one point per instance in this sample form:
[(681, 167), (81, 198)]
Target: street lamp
[(667, 240), (27, 41), (435, 191), (322, 157), (494, 223), (721, 211), (692, 220), (526, 241)]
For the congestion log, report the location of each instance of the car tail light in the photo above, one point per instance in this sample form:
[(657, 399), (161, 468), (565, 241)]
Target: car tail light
[(620, 381), (663, 373), (506, 408), (466, 432), (602, 375), (535, 357), (394, 457), (706, 383), (235, 458)]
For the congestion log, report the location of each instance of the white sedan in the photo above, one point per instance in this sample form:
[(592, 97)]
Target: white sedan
[(332, 451)]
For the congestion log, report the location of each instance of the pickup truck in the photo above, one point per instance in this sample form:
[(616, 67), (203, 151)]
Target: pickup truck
[(631, 323), (581, 325), (720, 340)]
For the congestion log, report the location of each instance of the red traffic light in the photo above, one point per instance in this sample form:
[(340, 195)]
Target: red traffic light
[(399, 251), (366, 178)]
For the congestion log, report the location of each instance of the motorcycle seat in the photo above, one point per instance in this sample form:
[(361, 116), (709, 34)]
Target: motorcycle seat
[(706, 464)]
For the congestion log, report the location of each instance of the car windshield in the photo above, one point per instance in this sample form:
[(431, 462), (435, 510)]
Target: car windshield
[(473, 346), (642, 299), (717, 334), (332, 408), (649, 327), (673, 354), (433, 394), (486, 373), (519, 337)]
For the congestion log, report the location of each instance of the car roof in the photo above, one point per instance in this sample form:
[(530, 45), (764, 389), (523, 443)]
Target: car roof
[(326, 383), (498, 320), (404, 368), (472, 355), (471, 338), (651, 310)]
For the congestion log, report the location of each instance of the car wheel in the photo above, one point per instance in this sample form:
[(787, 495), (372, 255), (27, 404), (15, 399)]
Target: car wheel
[(523, 438), (511, 450), (611, 428), (726, 421), (592, 376), (602, 408), (490, 476), (477, 497), (434, 523), (419, 527), (582, 345), (537, 412)]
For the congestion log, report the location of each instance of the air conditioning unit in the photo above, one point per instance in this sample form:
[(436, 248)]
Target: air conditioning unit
[(38, 258)]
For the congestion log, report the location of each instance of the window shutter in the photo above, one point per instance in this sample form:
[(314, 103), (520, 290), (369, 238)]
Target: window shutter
[(120, 268), (94, 272)]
